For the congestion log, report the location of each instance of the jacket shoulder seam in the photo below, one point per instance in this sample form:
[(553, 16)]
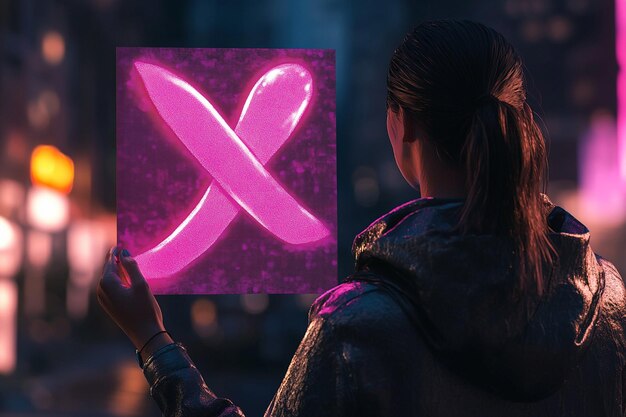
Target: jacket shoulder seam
[(339, 304)]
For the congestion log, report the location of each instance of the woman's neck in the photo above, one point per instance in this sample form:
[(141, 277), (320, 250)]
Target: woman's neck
[(442, 190), (439, 180)]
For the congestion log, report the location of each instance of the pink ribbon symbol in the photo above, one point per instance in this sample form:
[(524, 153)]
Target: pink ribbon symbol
[(270, 114)]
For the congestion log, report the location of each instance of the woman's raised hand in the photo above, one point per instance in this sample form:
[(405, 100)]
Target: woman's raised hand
[(126, 297)]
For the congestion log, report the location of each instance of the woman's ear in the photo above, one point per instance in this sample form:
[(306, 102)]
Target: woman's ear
[(408, 126), (399, 127), (394, 125)]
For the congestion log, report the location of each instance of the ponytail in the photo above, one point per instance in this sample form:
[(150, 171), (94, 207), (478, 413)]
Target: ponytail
[(505, 158), (462, 82)]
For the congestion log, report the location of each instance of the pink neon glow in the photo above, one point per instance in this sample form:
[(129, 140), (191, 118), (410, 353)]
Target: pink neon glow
[(620, 51), (602, 197), (270, 114)]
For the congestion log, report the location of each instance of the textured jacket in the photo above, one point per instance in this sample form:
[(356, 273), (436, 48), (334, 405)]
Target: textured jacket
[(432, 324)]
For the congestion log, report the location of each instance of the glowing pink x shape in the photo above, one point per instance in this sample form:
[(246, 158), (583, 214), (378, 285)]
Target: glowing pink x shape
[(270, 114)]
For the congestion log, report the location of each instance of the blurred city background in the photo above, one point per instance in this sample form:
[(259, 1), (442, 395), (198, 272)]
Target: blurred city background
[(59, 353)]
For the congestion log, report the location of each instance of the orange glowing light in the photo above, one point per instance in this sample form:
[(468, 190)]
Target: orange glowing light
[(203, 312), (53, 47), (51, 168)]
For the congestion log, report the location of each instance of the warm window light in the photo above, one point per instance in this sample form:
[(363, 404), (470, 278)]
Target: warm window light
[(50, 100), (53, 47), (47, 210), (86, 242), (38, 248), (38, 114), (52, 168), (38, 254), (10, 261), (12, 198), (203, 312), (8, 328), (7, 235), (10, 248), (254, 303), (204, 317), (40, 110)]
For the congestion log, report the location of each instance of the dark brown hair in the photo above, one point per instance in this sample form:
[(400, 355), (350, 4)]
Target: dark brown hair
[(462, 83)]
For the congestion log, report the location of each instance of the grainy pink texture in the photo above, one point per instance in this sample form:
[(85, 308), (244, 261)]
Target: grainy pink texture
[(227, 168)]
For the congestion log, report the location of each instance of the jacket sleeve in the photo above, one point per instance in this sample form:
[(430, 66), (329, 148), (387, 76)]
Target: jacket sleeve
[(319, 380), (178, 388)]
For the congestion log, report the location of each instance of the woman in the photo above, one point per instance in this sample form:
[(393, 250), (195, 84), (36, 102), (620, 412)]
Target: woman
[(480, 298)]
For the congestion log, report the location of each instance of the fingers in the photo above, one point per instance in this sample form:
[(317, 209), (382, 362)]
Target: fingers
[(99, 295), (112, 276), (109, 264), (132, 269), (111, 279), (107, 258)]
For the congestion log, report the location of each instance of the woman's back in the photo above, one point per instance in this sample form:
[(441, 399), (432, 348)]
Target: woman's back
[(431, 326)]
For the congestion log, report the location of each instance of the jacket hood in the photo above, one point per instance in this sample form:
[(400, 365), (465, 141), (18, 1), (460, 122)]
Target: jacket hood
[(463, 295)]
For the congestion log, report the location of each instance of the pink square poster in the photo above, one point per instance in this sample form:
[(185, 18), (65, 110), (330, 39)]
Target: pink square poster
[(226, 168)]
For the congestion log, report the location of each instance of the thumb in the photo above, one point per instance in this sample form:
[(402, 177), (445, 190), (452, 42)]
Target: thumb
[(132, 269)]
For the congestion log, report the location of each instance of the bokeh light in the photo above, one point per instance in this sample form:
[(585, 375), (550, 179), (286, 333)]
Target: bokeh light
[(51, 167), (53, 47), (366, 188), (47, 209), (7, 235), (620, 53), (204, 317), (10, 248), (8, 326), (255, 303)]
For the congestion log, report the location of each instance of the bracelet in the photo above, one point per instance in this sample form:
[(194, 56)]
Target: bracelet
[(138, 352)]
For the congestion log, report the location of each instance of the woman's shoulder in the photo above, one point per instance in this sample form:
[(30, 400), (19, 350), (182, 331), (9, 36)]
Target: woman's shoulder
[(357, 303), (613, 297), (338, 297)]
